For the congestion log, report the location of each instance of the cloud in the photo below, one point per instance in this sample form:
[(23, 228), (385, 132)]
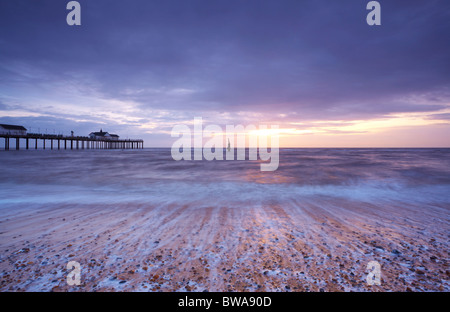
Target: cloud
[(3, 106), (164, 62), (442, 116)]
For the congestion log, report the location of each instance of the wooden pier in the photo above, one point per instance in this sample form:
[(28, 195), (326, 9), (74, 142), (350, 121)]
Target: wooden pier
[(68, 142)]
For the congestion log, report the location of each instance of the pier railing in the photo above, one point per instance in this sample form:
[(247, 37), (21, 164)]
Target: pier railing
[(57, 141)]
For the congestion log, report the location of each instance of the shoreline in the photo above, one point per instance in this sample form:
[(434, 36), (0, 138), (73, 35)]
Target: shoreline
[(313, 244)]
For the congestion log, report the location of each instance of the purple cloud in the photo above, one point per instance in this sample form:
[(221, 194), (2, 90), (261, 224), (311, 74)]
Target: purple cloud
[(305, 59)]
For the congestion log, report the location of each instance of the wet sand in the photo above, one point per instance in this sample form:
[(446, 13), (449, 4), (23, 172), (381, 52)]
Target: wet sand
[(309, 244)]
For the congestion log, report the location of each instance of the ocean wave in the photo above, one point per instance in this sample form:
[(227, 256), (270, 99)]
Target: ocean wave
[(152, 176)]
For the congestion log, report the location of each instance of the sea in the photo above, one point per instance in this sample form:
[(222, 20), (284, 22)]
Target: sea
[(152, 176)]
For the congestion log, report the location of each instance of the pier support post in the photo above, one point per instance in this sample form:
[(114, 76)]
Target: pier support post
[(44, 143), (27, 143), (51, 144), (17, 143), (35, 144)]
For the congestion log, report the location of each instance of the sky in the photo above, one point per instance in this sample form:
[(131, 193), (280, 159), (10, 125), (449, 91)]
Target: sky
[(315, 69)]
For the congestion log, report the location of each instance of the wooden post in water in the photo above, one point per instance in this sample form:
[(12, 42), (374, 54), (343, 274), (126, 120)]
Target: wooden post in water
[(44, 143), (17, 143), (35, 145), (27, 143), (51, 144)]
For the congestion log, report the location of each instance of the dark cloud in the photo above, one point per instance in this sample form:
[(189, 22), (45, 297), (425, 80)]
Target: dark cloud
[(443, 116), (318, 59), (3, 106)]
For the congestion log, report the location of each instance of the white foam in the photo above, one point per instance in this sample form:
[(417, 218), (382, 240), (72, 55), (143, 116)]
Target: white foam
[(217, 193)]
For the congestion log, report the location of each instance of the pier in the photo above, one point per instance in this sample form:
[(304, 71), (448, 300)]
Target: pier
[(61, 142)]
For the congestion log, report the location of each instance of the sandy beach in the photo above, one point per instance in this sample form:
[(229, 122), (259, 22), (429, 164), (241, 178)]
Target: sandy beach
[(300, 247)]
